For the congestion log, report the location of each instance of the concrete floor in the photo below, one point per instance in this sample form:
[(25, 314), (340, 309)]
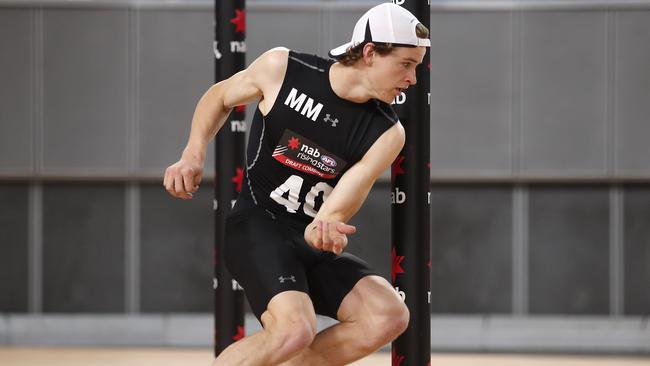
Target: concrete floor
[(22, 356)]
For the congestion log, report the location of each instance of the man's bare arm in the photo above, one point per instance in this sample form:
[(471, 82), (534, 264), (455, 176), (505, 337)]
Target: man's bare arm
[(261, 79), (328, 229)]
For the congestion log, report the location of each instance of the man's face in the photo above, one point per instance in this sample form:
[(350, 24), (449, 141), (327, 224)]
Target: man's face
[(393, 73)]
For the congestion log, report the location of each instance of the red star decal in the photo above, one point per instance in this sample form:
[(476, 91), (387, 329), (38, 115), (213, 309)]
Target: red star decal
[(240, 334), (428, 165), (396, 168), (293, 143), (240, 108), (429, 65), (396, 359), (238, 179), (429, 263), (397, 261), (239, 21)]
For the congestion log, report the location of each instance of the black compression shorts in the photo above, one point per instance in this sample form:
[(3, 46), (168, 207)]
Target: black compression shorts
[(268, 255)]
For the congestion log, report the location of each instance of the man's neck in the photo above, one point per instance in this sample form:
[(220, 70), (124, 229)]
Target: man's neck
[(348, 82)]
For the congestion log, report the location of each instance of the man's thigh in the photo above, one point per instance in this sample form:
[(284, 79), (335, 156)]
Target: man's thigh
[(333, 279), (370, 295), (260, 257)]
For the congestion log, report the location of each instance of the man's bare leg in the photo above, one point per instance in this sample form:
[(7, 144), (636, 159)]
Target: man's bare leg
[(289, 327), (371, 315)]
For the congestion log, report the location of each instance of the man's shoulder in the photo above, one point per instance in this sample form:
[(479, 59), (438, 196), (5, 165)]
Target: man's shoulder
[(269, 68), (274, 59), (309, 60)]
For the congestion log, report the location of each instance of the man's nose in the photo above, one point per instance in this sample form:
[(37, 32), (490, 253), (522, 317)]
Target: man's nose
[(411, 78)]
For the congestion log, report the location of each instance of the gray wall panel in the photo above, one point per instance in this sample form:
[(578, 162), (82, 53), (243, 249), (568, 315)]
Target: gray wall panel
[(294, 29), (632, 95), (13, 247), (176, 66), (564, 93), (85, 90), (100, 67), (176, 251), (471, 236), (637, 250), (339, 26), (16, 90), (569, 250), (471, 77), (83, 248)]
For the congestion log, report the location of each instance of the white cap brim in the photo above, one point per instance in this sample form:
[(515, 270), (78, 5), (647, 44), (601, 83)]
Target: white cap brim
[(338, 51)]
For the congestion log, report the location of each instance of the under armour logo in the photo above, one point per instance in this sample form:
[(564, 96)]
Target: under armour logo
[(283, 279), (328, 119)]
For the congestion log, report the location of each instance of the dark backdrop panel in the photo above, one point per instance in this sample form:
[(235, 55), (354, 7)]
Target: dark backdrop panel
[(371, 242), (176, 255), (83, 248), (637, 250), (14, 204), (569, 250), (471, 237)]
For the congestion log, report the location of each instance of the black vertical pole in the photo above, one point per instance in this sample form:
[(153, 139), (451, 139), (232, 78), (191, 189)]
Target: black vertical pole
[(410, 197), (230, 57)]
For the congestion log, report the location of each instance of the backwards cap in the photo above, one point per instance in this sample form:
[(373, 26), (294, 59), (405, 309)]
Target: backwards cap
[(384, 23)]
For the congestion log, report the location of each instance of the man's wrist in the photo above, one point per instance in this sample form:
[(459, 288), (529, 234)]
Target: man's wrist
[(330, 217), (194, 153)]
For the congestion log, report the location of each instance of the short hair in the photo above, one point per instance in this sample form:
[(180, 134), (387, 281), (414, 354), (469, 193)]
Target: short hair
[(353, 54)]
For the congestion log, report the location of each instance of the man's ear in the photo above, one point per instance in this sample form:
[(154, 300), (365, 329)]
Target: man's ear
[(369, 53)]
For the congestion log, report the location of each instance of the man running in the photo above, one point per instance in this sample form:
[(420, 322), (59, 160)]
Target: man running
[(322, 133)]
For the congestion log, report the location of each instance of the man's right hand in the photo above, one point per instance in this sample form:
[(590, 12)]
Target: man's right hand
[(182, 178)]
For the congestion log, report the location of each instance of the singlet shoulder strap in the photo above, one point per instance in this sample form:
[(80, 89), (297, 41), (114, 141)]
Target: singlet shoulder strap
[(306, 60), (387, 111)]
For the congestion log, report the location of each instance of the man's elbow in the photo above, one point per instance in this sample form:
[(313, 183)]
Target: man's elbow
[(216, 96)]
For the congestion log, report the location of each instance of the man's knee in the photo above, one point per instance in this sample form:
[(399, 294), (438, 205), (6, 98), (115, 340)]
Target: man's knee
[(289, 336), (291, 326), (396, 319), (385, 324)]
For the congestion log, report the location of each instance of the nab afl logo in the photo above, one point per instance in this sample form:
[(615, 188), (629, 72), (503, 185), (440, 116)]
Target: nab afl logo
[(328, 161)]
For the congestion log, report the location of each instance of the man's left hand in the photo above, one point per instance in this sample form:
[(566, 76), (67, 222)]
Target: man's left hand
[(328, 236)]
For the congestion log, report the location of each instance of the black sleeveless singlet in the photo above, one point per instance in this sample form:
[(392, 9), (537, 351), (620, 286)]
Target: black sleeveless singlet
[(298, 152)]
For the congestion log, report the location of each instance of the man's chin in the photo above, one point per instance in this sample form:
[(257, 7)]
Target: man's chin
[(388, 99)]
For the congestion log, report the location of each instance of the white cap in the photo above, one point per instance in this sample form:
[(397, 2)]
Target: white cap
[(385, 23)]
